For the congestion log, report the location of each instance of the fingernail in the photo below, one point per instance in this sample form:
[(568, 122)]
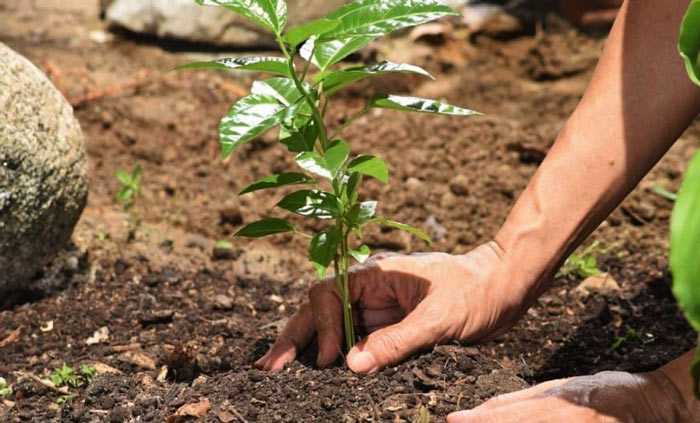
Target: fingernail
[(362, 362)]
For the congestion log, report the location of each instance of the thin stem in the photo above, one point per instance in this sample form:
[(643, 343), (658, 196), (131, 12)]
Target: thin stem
[(318, 119), (349, 122)]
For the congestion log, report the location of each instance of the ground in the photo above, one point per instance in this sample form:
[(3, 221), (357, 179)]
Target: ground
[(186, 321)]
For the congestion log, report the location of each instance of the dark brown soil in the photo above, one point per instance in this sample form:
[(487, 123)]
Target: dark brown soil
[(186, 323)]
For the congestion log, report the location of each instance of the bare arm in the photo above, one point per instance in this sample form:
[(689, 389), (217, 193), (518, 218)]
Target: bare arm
[(638, 103)]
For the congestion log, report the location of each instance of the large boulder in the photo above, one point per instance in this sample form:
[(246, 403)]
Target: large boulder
[(188, 21), (43, 170)]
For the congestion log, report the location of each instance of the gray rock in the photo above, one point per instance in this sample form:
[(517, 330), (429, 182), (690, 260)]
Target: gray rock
[(188, 21), (43, 170)]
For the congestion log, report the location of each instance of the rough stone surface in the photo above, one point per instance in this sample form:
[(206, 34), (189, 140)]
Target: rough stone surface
[(43, 170), (186, 20)]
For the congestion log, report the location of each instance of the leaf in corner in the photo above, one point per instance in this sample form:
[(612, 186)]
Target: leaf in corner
[(361, 254), (689, 41)]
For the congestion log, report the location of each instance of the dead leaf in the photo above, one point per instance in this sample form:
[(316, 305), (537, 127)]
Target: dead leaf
[(163, 374), (225, 416), (138, 359), (130, 347), (100, 336), (8, 403), (12, 337), (47, 327), (101, 368), (196, 410)]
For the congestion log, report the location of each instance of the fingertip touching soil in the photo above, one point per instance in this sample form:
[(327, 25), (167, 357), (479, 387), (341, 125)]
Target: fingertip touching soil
[(186, 320)]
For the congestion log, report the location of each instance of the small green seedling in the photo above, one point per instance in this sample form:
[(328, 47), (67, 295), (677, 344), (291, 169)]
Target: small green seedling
[(68, 376), (127, 195), (585, 263), (64, 398), (223, 244), (5, 389), (664, 193), (297, 100), (423, 415), (630, 336)]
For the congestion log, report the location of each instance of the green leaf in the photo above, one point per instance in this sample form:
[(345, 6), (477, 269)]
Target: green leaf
[(270, 14), (370, 166), (223, 244), (373, 18), (136, 178), (125, 194), (361, 254), (334, 81), (362, 213), (351, 187), (312, 162), (685, 239), (327, 53), (335, 155), (416, 104), (273, 65), (301, 33), (275, 181), (265, 227), (124, 177), (249, 118), (299, 140), (283, 89), (312, 203), (323, 249), (404, 227), (689, 42)]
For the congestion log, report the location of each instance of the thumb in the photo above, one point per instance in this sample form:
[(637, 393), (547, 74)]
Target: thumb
[(394, 343)]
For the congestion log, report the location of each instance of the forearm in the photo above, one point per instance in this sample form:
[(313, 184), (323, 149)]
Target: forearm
[(638, 103), (680, 391)]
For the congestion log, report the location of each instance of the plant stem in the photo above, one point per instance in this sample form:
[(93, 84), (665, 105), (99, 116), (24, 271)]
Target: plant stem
[(318, 119), (350, 121), (343, 280)]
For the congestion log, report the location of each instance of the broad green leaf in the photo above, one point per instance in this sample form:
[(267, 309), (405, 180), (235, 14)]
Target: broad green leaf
[(335, 155), (125, 194), (404, 227), (685, 239), (250, 117), (312, 162), (370, 166), (334, 81), (265, 227), (362, 213), (327, 53), (351, 187), (689, 42), (361, 254), (323, 249), (299, 140), (273, 65), (312, 203), (283, 89), (270, 14), (373, 18), (275, 181), (416, 104), (124, 177), (301, 33)]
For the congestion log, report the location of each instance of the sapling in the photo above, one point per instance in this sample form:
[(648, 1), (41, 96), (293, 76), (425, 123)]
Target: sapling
[(298, 98), (128, 193)]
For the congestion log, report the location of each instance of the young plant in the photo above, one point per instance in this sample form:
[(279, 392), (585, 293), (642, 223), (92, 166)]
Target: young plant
[(5, 389), (685, 221), (130, 190), (68, 376), (297, 100)]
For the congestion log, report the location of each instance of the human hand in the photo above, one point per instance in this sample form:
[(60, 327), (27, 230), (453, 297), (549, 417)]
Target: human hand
[(406, 303), (607, 397)]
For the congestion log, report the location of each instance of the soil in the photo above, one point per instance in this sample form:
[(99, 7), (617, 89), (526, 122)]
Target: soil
[(186, 321)]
